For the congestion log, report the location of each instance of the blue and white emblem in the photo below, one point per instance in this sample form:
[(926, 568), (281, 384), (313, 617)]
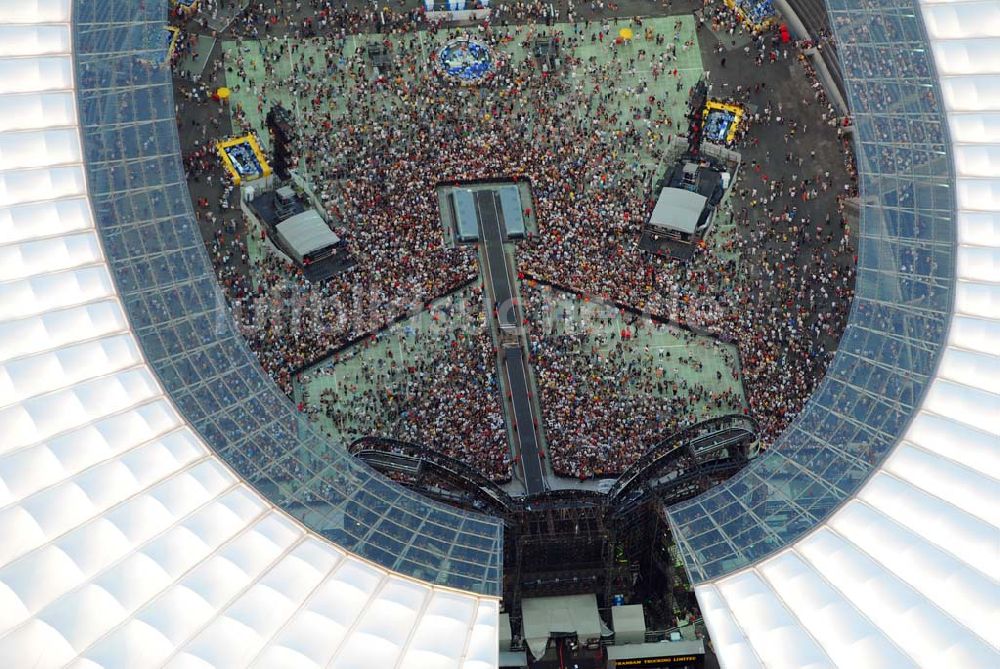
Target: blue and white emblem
[(466, 61)]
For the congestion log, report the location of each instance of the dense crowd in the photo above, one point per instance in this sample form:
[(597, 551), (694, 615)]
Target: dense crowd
[(434, 386), (604, 399), (590, 142)]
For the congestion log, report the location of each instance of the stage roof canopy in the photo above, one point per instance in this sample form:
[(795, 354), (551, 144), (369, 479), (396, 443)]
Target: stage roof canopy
[(629, 623), (678, 209), (306, 232), (544, 616)]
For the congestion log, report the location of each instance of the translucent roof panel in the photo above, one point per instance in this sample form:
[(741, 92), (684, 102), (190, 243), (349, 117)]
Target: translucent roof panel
[(905, 572), (899, 318), (126, 541), (184, 328)]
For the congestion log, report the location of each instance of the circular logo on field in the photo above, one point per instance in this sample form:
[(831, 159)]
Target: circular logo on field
[(466, 61)]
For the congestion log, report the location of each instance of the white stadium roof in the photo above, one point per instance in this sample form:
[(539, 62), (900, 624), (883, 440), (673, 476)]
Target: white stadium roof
[(124, 541), (906, 573)]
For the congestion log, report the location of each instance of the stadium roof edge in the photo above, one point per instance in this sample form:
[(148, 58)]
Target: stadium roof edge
[(126, 540), (904, 572), (183, 324)]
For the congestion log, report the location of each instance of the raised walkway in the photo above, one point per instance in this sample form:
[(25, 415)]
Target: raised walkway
[(512, 360)]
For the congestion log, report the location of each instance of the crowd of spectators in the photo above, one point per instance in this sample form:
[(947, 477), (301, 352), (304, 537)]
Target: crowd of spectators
[(605, 399), (590, 141), (432, 385)]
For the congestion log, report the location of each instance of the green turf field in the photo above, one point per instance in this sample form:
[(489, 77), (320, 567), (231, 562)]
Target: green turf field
[(366, 368), (256, 87), (621, 89), (698, 360)]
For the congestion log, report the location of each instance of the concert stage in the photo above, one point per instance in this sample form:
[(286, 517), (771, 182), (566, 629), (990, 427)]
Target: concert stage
[(298, 237)]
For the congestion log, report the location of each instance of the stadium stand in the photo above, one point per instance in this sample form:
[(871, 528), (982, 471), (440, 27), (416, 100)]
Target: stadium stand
[(813, 14), (898, 571), (126, 540)]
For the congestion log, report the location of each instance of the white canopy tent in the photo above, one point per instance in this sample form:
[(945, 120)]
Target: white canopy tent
[(305, 233), (544, 616), (629, 622), (505, 634), (677, 209)]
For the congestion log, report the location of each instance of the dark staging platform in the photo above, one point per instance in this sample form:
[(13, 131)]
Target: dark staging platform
[(501, 279)]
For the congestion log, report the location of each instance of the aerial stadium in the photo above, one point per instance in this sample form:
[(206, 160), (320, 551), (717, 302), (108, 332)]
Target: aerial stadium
[(499, 334)]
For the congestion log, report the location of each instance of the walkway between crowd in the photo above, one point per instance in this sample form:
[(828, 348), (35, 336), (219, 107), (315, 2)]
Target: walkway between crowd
[(512, 358)]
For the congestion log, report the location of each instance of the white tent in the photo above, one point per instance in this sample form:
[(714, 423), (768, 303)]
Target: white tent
[(505, 634), (629, 622), (678, 209), (305, 233), (544, 616)]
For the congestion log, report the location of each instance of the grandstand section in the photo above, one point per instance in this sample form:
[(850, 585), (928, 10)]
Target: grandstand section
[(919, 520), (126, 540)]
